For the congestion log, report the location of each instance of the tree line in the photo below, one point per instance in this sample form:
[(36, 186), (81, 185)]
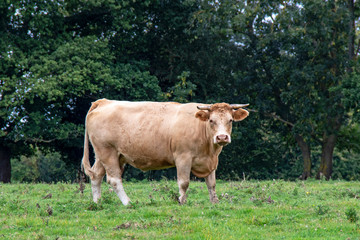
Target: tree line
[(295, 62)]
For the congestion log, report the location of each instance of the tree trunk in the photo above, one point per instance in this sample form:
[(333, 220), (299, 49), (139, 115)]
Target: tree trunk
[(5, 167), (305, 151), (326, 163)]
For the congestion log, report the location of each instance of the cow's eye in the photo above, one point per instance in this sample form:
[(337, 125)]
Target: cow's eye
[(230, 121)]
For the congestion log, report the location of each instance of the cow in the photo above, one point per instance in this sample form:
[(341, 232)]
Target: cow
[(157, 135)]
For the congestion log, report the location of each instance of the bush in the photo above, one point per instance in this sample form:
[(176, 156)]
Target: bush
[(41, 167), (25, 169), (346, 166)]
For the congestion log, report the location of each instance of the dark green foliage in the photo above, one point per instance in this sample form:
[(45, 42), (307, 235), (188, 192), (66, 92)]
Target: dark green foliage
[(347, 166), (42, 168), (294, 62), (292, 58)]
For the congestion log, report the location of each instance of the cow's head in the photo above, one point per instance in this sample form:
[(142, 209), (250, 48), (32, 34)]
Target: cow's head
[(220, 117)]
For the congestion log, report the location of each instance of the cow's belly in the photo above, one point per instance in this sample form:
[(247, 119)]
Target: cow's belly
[(146, 163), (143, 147)]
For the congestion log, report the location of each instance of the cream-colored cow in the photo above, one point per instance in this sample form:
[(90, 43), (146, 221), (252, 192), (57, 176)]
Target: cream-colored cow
[(157, 135)]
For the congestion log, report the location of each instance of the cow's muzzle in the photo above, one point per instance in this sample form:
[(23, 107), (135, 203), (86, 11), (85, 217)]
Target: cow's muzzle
[(222, 139)]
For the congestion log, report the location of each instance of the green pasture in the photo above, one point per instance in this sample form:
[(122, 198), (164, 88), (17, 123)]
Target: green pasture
[(247, 210)]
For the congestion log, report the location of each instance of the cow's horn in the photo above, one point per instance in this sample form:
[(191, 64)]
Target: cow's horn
[(237, 106), (204, 107)]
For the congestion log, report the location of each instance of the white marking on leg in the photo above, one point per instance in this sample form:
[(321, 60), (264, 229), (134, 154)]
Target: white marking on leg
[(119, 189), (96, 189)]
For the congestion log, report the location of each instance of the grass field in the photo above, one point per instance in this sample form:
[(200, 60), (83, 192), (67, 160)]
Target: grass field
[(247, 210)]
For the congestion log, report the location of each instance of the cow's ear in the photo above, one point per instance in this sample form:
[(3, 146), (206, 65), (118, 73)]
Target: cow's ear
[(202, 115), (240, 114)]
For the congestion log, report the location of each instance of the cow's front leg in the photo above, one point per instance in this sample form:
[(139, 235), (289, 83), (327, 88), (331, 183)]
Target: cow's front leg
[(210, 183), (183, 169)]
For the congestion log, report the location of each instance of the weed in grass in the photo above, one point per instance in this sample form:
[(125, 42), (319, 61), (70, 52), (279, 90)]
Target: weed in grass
[(322, 210), (152, 201), (167, 190), (228, 197), (45, 221), (61, 187), (127, 225), (295, 191), (107, 198), (41, 212), (49, 210), (48, 196), (352, 194), (174, 195), (275, 221), (82, 178), (40, 237), (351, 215), (258, 221), (14, 205), (133, 205), (92, 206), (259, 201), (249, 191)]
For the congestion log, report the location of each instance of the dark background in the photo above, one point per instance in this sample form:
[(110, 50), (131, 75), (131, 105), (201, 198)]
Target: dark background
[(296, 63)]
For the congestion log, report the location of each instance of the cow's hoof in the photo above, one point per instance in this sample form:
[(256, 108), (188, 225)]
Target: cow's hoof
[(125, 202), (182, 201), (215, 200)]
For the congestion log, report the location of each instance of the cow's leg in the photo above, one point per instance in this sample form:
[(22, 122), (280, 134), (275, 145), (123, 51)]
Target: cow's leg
[(116, 183), (99, 172), (110, 161), (113, 174), (183, 178), (210, 183)]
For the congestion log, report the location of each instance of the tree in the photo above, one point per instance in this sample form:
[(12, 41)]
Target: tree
[(295, 62), (53, 65), (322, 60), (293, 57)]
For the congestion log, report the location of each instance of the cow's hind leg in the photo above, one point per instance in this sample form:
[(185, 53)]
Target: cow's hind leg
[(116, 182), (210, 183), (183, 169), (114, 171), (97, 177)]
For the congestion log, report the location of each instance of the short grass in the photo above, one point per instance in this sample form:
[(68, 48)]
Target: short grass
[(247, 210)]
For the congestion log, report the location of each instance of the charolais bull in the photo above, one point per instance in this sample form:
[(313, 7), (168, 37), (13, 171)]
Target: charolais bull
[(157, 135)]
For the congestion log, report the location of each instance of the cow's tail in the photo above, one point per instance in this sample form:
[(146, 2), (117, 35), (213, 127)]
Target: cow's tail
[(85, 163)]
